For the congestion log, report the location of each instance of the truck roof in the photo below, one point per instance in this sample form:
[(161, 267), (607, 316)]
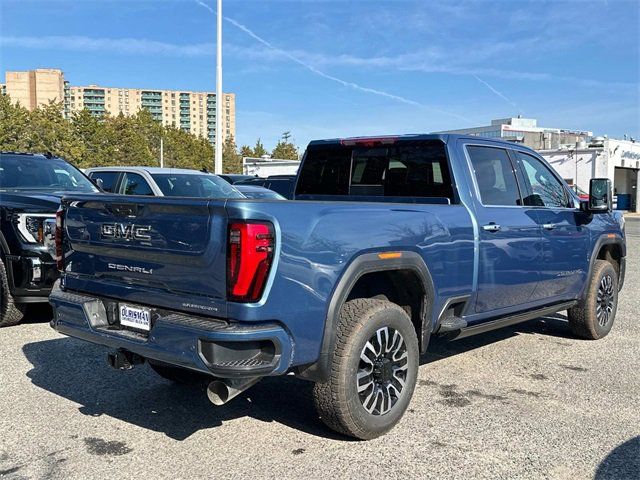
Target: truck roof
[(444, 137), (151, 170)]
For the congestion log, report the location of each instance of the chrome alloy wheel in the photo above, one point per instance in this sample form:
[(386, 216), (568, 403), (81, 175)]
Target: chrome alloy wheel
[(605, 300), (382, 371)]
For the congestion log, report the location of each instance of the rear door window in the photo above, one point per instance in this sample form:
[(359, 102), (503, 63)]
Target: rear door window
[(494, 175), (134, 184), (109, 179)]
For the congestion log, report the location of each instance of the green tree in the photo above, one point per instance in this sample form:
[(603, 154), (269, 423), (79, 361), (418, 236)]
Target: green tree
[(285, 149), (88, 141), (15, 124), (231, 160), (128, 144), (90, 132), (259, 150), (246, 151), (51, 132)]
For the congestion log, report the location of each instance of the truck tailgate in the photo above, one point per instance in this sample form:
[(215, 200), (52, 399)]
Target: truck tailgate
[(162, 251)]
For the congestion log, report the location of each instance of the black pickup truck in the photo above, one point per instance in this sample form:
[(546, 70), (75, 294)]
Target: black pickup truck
[(30, 190)]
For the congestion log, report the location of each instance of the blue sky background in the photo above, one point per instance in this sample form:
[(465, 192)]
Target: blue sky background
[(335, 68)]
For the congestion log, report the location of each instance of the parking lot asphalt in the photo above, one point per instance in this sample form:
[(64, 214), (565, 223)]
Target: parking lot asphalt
[(529, 401)]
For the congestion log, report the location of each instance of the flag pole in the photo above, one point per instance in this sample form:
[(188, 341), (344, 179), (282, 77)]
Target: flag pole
[(219, 99)]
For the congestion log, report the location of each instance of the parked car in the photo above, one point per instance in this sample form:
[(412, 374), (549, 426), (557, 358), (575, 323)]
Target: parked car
[(388, 241), (254, 192), (283, 184), (161, 182), (30, 190), (233, 178)]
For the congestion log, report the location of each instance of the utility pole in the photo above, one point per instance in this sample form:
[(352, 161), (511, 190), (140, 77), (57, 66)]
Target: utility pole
[(161, 153), (575, 180), (219, 99)]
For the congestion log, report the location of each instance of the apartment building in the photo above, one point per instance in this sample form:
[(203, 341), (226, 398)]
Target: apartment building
[(191, 111), (35, 87)]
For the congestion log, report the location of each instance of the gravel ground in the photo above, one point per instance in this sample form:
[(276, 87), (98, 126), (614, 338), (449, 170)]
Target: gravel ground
[(528, 401)]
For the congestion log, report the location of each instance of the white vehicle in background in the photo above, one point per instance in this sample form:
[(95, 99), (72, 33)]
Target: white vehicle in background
[(161, 182)]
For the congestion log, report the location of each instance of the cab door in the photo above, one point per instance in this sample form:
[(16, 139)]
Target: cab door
[(565, 237), (510, 247)]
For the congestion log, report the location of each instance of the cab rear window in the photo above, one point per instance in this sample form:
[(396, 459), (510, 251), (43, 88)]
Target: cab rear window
[(417, 169)]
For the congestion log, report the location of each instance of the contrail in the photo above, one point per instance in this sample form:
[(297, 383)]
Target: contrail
[(504, 97), (315, 70), (322, 74), (204, 5)]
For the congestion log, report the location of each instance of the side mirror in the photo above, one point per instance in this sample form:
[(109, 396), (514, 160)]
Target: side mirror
[(600, 195)]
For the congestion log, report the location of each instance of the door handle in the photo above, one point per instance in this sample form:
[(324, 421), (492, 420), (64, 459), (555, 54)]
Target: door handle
[(492, 227), (549, 226)]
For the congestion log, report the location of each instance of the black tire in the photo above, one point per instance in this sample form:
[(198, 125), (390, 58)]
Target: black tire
[(338, 401), (592, 318), (177, 374), (10, 313)]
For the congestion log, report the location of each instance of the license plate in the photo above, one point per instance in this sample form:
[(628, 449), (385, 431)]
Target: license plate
[(135, 317)]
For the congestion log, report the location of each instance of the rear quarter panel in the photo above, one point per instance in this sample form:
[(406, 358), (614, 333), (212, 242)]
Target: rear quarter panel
[(316, 241)]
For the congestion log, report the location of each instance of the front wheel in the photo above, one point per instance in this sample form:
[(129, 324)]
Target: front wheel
[(10, 312), (592, 318), (373, 370)]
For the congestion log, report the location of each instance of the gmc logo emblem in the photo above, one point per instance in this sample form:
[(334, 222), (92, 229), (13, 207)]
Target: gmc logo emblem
[(126, 231)]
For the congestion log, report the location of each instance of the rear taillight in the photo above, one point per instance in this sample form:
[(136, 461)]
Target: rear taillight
[(249, 257), (59, 239)]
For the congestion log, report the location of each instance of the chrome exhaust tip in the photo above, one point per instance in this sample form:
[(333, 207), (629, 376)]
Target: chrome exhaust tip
[(222, 390)]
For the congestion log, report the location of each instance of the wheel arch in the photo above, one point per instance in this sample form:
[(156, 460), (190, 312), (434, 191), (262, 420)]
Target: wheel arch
[(610, 247), (362, 266)]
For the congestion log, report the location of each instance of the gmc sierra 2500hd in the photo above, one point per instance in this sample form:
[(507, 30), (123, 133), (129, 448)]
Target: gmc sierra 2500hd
[(387, 241)]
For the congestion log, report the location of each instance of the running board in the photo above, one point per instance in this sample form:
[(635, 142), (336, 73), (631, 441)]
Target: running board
[(512, 319)]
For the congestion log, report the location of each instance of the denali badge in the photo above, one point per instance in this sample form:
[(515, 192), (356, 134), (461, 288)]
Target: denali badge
[(128, 231), (128, 268)]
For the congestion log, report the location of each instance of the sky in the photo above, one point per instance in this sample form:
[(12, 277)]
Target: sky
[(324, 69)]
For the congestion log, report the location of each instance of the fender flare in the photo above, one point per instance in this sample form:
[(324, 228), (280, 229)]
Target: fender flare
[(360, 266), (4, 247), (601, 241)]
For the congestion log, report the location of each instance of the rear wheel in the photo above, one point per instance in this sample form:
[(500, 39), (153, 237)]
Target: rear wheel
[(593, 317), (10, 313), (177, 374), (373, 370)]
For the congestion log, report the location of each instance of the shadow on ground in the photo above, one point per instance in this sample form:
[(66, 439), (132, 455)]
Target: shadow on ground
[(622, 462), (77, 371)]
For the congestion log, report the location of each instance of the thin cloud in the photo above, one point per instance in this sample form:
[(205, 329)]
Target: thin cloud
[(119, 45), (502, 96)]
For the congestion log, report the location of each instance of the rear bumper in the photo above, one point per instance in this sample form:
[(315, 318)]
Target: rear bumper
[(217, 347)]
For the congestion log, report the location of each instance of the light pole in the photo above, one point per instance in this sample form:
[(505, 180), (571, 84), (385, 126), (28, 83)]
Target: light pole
[(219, 100)]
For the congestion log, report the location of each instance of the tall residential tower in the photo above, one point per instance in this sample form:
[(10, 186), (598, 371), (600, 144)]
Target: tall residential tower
[(193, 112)]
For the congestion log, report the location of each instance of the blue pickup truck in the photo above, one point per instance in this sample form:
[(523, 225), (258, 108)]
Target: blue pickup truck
[(387, 242)]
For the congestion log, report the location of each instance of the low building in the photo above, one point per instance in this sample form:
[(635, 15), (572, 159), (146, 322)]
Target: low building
[(265, 167), (527, 132), (618, 160), (193, 112)]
